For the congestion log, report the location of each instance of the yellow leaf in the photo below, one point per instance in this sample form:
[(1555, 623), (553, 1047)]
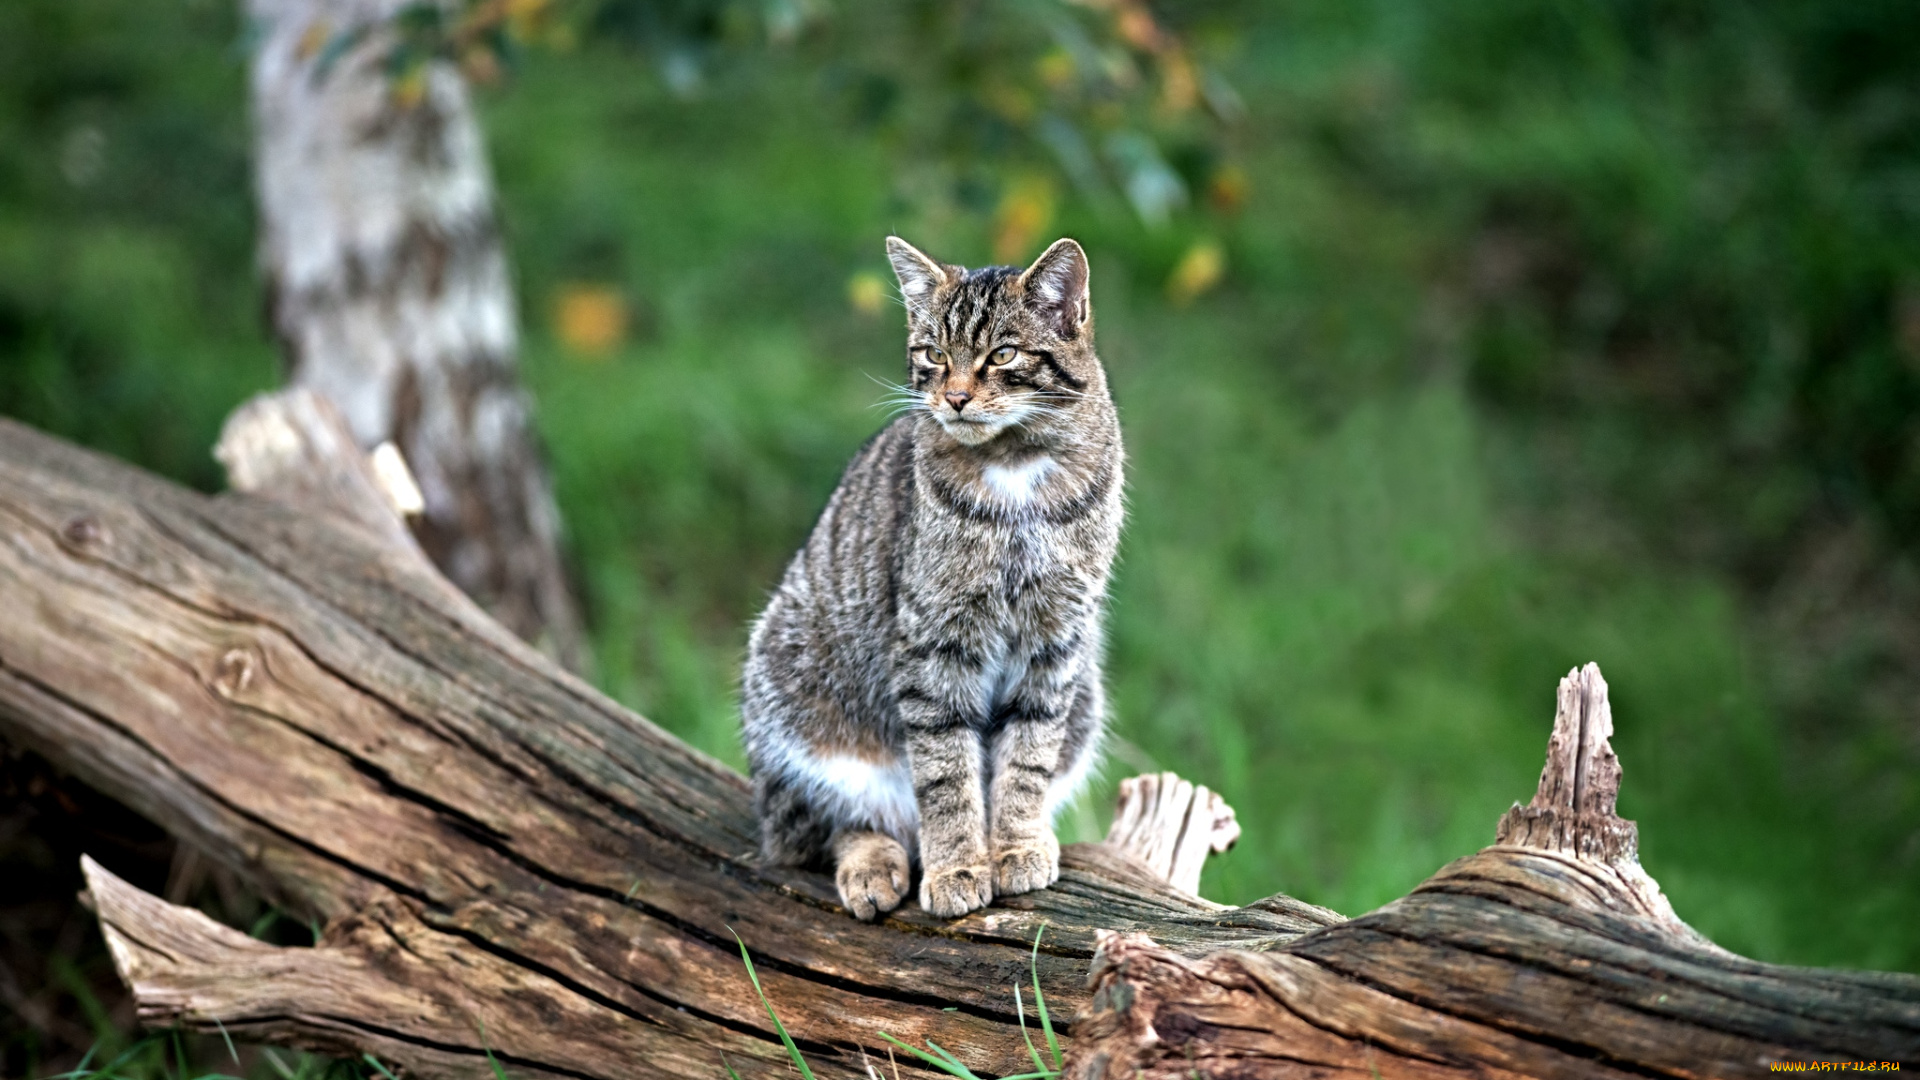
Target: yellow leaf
[(1200, 269), (1227, 191), (867, 292), (1008, 100), (482, 67), (1025, 211), (1055, 69), (1135, 25), (1179, 88), (313, 38), (524, 17), (410, 89), (590, 319)]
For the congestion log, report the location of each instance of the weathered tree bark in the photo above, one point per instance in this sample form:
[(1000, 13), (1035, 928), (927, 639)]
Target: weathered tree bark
[(506, 862), (389, 292), (1549, 954)]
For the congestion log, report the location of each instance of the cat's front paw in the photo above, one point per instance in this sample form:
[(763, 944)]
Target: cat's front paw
[(952, 891), (871, 873), (1026, 865)]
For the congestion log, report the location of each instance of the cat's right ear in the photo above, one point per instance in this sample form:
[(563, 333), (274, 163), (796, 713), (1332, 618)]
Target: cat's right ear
[(919, 276)]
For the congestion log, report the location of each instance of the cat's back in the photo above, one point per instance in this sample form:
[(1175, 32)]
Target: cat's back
[(849, 555), (834, 607)]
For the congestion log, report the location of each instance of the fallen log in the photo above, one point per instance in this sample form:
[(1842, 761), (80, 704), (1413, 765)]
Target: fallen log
[(1549, 954), (505, 863)]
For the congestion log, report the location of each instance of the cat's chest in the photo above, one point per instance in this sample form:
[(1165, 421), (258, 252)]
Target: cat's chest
[(1011, 525), (1019, 555), (1017, 485), (1023, 532)]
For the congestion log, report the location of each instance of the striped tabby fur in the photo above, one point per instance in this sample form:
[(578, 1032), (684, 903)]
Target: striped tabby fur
[(926, 678)]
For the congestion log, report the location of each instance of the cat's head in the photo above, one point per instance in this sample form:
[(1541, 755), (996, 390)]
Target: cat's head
[(998, 347)]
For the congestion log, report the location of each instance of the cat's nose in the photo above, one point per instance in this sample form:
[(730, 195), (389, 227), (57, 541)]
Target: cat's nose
[(958, 399)]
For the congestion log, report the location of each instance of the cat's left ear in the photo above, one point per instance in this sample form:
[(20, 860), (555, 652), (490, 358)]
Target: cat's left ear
[(1056, 287)]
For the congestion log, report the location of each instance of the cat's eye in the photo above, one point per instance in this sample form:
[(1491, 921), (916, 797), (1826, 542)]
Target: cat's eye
[(1002, 355), (939, 355)]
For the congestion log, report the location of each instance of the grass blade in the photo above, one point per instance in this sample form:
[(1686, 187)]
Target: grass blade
[(785, 1039), (946, 1065), (956, 1062), (80, 1069), (384, 1071), (138, 1048), (235, 1054), (264, 923), (1020, 1010), (498, 1072), (1040, 1001)]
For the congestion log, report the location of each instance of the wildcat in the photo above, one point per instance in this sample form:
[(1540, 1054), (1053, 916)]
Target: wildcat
[(927, 673)]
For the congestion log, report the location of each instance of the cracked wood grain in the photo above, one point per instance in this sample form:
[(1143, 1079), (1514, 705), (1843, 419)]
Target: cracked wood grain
[(1549, 954)]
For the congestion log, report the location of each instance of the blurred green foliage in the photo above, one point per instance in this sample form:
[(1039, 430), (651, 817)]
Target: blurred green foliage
[(128, 314), (1548, 332)]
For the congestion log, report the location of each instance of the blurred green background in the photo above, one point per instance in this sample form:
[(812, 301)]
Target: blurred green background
[(1495, 337)]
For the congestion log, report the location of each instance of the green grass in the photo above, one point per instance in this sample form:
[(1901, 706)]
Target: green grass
[(171, 1054), (933, 1055)]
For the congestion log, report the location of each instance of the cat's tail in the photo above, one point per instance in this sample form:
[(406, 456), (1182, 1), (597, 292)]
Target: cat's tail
[(792, 831)]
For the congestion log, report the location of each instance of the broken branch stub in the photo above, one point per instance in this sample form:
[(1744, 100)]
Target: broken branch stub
[(1172, 825), (294, 446), (1550, 954), (1573, 810)]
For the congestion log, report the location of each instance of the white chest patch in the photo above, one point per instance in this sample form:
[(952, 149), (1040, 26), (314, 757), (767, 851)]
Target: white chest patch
[(1018, 483)]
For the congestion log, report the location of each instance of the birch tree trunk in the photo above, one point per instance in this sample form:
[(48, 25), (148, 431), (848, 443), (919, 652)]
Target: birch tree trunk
[(388, 289)]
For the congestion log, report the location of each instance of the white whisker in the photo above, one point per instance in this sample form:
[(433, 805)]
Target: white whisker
[(898, 399)]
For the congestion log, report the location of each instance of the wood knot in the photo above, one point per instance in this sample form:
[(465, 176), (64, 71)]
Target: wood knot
[(233, 672), (83, 530)]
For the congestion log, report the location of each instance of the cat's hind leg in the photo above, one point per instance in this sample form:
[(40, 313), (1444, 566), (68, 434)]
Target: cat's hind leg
[(837, 807), (793, 831), (871, 871)]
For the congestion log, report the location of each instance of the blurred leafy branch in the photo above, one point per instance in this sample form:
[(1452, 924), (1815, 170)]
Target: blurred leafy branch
[(1003, 106)]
